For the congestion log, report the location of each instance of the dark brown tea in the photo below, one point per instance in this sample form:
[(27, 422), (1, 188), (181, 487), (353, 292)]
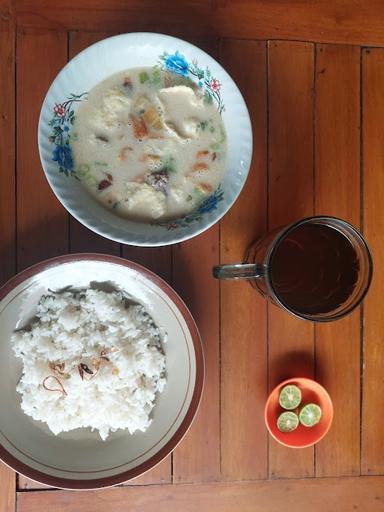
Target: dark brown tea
[(314, 269)]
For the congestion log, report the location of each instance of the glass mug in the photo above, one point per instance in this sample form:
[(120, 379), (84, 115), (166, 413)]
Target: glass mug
[(318, 269)]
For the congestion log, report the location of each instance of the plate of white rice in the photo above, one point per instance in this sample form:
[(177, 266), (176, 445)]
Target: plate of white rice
[(101, 371)]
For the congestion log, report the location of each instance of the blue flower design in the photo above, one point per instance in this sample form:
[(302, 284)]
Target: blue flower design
[(63, 156), (177, 63), (66, 128), (209, 204)]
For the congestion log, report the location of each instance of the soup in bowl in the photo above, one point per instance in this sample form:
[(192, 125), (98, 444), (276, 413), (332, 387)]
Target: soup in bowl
[(145, 139)]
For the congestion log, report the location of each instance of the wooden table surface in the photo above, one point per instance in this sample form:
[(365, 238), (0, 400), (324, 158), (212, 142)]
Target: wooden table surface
[(312, 73)]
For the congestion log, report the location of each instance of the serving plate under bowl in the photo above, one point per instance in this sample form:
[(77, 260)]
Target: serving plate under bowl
[(119, 53), (80, 459)]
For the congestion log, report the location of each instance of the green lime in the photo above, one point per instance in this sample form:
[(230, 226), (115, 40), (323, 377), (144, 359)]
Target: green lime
[(287, 421), (310, 415), (290, 397)]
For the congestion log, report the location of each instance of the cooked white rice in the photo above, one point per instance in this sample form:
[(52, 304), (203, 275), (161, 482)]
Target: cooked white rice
[(76, 333)]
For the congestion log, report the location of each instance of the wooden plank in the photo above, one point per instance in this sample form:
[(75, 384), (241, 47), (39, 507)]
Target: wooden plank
[(7, 17), (83, 239), (290, 197), (7, 155), (373, 158), (161, 264), (197, 458), (157, 259), (319, 494), (7, 489), (357, 22), (187, 464), (42, 222), (337, 165), (118, 15), (244, 312), (7, 197), (336, 21), (7, 143)]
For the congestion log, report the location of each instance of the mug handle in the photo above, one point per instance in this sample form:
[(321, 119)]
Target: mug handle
[(238, 271)]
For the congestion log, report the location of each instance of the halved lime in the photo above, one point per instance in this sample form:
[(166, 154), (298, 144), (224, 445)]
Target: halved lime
[(290, 397), (310, 415), (287, 421)]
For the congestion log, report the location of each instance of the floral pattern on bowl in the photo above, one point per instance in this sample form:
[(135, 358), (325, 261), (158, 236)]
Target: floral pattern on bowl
[(211, 86), (61, 123), (64, 117), (206, 206)]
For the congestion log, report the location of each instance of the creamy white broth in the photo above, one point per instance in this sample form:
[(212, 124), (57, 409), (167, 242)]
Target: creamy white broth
[(147, 144)]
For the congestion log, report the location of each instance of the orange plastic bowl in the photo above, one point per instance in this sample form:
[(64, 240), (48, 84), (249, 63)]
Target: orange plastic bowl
[(302, 437)]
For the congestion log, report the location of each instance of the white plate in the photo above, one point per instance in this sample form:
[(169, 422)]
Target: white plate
[(115, 54), (79, 459)]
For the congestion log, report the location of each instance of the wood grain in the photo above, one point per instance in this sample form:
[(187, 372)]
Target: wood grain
[(7, 200), (347, 494), (197, 458), (337, 21), (243, 311), (42, 222), (7, 16), (357, 22), (119, 15), (7, 489), (158, 259), (290, 197), (82, 239), (7, 156), (373, 158), (337, 165)]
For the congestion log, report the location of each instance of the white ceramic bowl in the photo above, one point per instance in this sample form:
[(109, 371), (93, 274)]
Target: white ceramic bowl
[(115, 54), (79, 459)]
